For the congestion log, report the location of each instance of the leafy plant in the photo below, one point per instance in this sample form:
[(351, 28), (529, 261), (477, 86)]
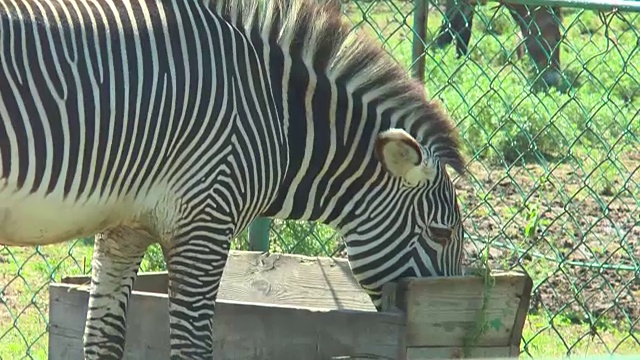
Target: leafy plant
[(531, 229)]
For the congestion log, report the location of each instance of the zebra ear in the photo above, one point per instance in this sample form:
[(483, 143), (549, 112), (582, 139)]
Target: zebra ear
[(401, 155)]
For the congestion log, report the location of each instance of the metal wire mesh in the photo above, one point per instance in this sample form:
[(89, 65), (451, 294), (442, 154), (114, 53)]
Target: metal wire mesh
[(547, 101)]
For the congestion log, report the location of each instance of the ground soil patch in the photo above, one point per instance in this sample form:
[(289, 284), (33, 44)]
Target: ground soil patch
[(581, 245)]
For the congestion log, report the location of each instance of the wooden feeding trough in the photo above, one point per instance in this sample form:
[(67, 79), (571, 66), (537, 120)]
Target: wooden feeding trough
[(295, 307)]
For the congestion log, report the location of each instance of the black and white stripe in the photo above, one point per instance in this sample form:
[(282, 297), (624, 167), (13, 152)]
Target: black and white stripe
[(180, 121)]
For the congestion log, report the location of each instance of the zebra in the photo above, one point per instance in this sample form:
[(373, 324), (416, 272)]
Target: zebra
[(178, 122)]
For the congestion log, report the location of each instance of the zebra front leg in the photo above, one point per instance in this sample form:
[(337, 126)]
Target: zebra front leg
[(196, 261), (116, 259)]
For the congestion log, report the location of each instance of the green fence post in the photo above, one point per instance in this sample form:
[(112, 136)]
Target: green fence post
[(259, 234), (419, 38)]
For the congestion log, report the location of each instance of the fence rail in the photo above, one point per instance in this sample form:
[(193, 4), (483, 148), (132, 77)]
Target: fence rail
[(546, 95)]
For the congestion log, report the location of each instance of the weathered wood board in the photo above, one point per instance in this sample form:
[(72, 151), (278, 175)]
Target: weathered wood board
[(444, 313), (275, 307), (245, 330), (296, 280), (425, 353), (296, 307)]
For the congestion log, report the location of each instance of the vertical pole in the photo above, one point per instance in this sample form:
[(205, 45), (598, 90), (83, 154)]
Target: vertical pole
[(259, 234), (419, 38)]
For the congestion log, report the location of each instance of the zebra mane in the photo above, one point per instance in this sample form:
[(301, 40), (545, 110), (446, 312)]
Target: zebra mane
[(316, 34)]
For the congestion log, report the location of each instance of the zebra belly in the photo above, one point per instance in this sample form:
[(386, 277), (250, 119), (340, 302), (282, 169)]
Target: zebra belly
[(38, 220)]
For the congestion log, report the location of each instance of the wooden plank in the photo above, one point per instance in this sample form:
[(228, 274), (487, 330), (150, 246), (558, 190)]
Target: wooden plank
[(421, 353), (521, 317), (243, 330), (155, 282), (441, 312), (296, 280)]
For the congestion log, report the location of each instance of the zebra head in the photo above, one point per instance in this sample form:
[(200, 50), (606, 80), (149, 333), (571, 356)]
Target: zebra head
[(409, 223)]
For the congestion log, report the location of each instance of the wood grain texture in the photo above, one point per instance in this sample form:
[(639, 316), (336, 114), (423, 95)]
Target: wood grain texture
[(301, 281), (521, 316), (243, 330), (296, 280), (441, 312), (414, 353)]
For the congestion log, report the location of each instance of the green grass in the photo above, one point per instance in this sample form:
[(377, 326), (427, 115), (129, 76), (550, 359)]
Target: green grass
[(25, 274), (544, 336), (504, 116)]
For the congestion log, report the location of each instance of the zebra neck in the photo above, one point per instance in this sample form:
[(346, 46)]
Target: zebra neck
[(330, 137)]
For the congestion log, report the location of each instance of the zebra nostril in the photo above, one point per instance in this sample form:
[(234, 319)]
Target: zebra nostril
[(440, 235)]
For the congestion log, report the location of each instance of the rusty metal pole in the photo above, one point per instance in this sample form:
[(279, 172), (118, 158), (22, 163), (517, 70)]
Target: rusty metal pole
[(420, 12)]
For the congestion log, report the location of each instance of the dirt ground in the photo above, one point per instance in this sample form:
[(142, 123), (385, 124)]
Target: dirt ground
[(583, 252)]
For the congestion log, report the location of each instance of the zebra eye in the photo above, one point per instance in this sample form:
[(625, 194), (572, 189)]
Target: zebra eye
[(439, 234)]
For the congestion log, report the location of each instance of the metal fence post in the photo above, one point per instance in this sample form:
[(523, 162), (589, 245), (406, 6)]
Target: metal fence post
[(259, 234), (420, 11)]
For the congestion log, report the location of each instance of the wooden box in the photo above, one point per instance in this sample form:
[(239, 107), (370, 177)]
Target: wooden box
[(296, 307)]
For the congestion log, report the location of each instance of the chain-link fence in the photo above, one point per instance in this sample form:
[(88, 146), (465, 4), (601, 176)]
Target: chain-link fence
[(547, 100)]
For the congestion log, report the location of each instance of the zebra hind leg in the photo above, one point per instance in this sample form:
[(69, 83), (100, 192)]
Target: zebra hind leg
[(116, 259), (195, 263)]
